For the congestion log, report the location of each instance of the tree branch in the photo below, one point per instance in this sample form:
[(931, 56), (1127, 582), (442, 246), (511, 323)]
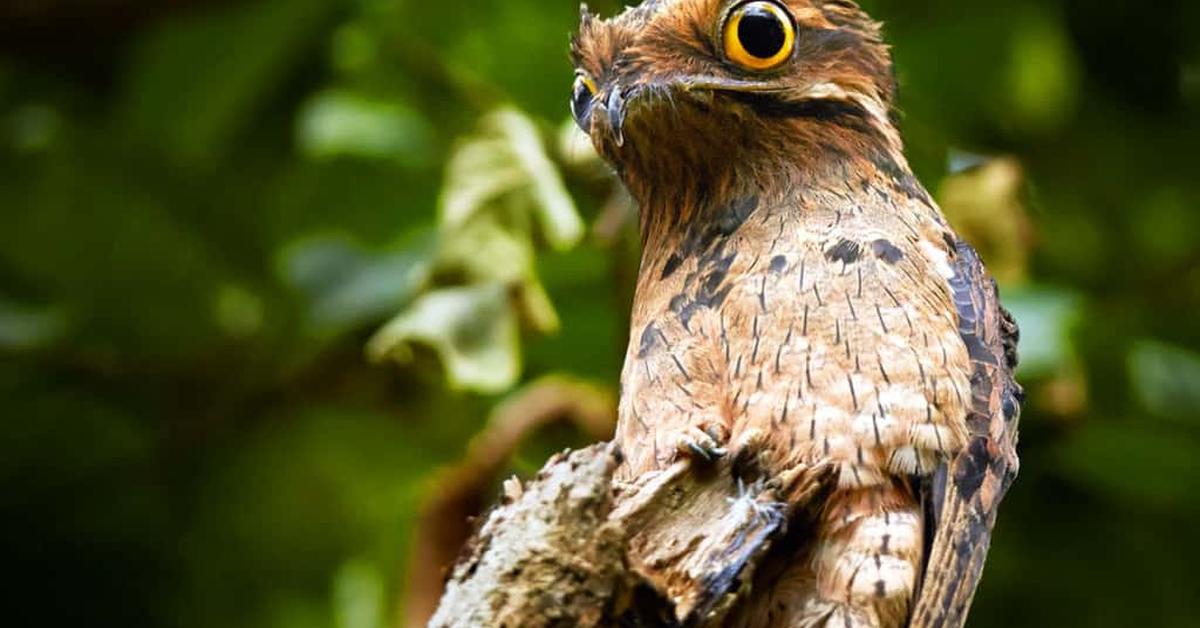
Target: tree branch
[(678, 547)]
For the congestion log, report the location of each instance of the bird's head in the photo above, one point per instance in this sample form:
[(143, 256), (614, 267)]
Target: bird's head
[(721, 90)]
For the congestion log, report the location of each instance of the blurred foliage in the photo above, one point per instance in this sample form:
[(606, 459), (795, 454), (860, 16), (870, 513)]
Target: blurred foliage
[(210, 212)]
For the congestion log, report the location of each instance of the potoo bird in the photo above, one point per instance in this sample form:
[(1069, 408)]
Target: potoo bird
[(802, 300)]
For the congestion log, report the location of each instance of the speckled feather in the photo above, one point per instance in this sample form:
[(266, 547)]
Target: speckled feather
[(801, 299)]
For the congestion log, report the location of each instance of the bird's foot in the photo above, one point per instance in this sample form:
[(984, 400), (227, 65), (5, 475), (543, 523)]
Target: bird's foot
[(749, 453), (783, 474), (702, 442), (800, 482)]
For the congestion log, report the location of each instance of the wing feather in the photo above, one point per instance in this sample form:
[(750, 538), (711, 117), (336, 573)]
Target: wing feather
[(964, 493)]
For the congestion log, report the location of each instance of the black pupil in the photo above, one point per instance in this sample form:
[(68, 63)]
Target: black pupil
[(760, 32)]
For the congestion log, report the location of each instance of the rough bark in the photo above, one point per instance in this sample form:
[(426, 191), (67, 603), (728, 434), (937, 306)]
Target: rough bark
[(571, 549), (548, 556)]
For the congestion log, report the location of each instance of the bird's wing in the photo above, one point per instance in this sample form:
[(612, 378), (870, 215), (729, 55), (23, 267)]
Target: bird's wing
[(962, 496)]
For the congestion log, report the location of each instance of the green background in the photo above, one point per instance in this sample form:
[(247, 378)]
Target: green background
[(207, 210)]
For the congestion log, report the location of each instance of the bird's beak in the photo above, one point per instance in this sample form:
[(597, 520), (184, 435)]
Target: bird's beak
[(710, 84), (619, 99)]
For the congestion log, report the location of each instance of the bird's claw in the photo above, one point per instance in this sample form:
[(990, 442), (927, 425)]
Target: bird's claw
[(708, 453), (701, 444)]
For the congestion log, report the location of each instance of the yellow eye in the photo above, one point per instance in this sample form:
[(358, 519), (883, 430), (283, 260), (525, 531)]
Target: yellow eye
[(759, 35)]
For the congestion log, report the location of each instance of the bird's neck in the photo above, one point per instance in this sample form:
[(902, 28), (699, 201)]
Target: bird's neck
[(684, 207)]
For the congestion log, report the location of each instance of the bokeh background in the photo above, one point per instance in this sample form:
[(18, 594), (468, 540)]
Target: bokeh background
[(267, 267)]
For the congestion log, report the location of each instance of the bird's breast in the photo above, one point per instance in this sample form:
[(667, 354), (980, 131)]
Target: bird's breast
[(828, 327)]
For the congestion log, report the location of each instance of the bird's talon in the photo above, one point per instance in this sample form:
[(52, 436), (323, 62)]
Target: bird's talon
[(699, 451), (708, 453), (701, 444)]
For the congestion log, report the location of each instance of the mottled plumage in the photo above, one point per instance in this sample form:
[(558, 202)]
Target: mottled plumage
[(801, 299)]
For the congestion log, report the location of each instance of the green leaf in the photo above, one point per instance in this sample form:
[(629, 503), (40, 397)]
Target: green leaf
[(473, 329), (1046, 317), (358, 595), (336, 123), (346, 285), (198, 78), (1134, 463), (24, 327), (238, 311), (1166, 379), (32, 128), (1043, 72)]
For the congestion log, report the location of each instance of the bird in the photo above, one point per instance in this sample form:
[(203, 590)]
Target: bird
[(802, 300)]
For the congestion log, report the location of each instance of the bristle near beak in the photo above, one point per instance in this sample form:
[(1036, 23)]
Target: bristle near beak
[(614, 107)]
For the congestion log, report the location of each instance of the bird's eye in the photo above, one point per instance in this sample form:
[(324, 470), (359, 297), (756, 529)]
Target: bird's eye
[(582, 94), (759, 35)]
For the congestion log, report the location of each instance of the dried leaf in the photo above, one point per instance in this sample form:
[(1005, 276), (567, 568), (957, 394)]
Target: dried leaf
[(508, 159), (984, 204), (486, 251), (473, 329)]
